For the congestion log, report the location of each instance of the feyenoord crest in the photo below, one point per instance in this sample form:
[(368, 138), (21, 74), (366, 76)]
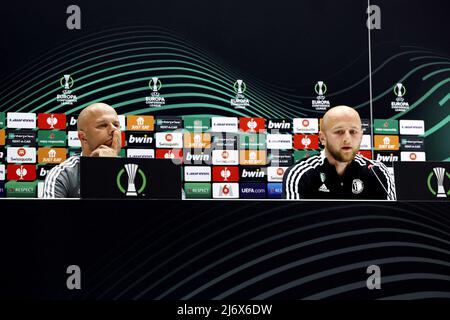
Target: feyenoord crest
[(440, 174), (357, 186), (240, 102), (66, 98), (320, 103), (131, 170), (155, 100), (399, 104)]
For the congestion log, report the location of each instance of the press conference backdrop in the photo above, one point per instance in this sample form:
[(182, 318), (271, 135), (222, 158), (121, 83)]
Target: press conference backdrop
[(231, 91)]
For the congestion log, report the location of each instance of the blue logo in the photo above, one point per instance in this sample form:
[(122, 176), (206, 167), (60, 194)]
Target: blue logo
[(252, 190), (275, 190)]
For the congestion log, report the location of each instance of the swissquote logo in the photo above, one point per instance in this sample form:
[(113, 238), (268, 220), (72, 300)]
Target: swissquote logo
[(133, 174), (21, 155), (306, 125)]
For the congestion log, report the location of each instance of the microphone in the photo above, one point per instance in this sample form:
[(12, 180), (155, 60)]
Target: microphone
[(370, 166)]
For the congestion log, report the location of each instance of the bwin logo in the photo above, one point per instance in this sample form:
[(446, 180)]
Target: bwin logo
[(197, 157), (72, 121), (389, 158), (143, 140), (278, 125), (252, 174), (43, 172)]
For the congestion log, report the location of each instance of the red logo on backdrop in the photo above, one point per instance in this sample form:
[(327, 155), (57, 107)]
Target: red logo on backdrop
[(413, 156), (26, 172), (252, 124), (169, 154), (306, 141), (225, 154), (169, 137), (305, 123), (226, 189), (51, 121), (225, 174), (280, 171), (365, 153), (21, 152), (123, 142)]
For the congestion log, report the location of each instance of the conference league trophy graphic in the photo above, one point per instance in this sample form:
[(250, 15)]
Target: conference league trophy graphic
[(320, 103), (399, 104), (440, 174), (66, 97), (131, 170), (155, 100), (240, 101)]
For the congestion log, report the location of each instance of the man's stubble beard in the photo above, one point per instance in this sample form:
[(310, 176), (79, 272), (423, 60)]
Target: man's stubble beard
[(337, 155)]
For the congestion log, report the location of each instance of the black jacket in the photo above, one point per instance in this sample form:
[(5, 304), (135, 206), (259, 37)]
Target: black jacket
[(315, 178)]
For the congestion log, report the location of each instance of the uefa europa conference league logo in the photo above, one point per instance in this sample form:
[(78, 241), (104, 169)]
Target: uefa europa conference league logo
[(440, 176), (155, 100), (131, 170), (320, 103), (399, 104), (66, 98), (240, 102)]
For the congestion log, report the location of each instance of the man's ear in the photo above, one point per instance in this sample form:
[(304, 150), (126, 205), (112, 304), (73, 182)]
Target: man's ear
[(82, 136), (322, 138)]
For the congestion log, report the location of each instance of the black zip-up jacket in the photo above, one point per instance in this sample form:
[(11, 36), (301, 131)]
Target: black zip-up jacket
[(315, 178)]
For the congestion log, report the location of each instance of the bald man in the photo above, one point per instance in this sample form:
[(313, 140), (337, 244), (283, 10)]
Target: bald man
[(99, 133), (339, 172)]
